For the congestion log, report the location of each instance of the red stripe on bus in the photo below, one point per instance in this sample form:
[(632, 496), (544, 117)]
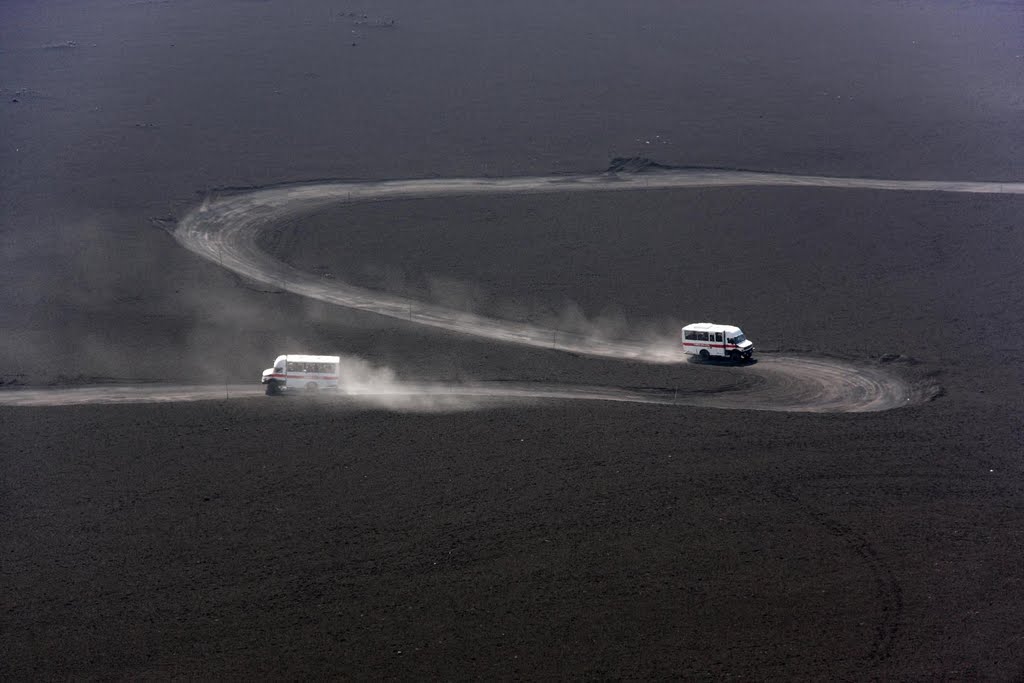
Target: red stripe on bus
[(276, 376), (713, 346)]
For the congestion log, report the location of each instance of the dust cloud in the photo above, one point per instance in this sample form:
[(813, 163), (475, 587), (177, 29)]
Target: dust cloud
[(376, 386)]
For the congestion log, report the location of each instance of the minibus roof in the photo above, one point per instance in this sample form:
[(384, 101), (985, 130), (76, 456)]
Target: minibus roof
[(302, 358), (711, 327)]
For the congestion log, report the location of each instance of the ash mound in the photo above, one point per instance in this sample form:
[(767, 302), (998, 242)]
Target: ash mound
[(636, 165)]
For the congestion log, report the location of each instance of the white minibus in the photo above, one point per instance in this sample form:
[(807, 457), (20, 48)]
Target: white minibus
[(709, 340), (298, 371)]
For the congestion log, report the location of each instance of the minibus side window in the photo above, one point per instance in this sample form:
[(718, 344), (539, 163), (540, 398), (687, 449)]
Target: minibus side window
[(718, 336)]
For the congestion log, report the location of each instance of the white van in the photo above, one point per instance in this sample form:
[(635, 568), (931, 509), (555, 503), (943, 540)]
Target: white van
[(709, 340), (297, 371)]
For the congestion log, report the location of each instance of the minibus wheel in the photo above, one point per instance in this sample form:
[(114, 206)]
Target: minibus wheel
[(736, 356), (272, 388), (311, 386), (704, 355)]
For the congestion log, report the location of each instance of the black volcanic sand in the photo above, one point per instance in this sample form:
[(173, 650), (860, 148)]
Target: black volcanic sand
[(293, 538), (280, 537), (289, 538)]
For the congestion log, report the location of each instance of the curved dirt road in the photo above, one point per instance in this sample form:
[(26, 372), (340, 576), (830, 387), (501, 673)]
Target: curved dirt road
[(225, 231), (782, 384)]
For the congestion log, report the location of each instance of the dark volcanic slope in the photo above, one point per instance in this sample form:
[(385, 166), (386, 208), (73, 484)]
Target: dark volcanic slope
[(297, 538), (279, 537), (249, 538)]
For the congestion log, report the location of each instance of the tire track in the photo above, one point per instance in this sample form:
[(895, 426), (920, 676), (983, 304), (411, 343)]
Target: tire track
[(225, 231), (888, 593)]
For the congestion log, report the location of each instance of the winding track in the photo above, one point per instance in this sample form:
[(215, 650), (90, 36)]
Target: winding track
[(784, 384), (225, 231)]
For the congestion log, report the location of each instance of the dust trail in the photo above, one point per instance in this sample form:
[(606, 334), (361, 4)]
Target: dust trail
[(780, 384), (225, 231)]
